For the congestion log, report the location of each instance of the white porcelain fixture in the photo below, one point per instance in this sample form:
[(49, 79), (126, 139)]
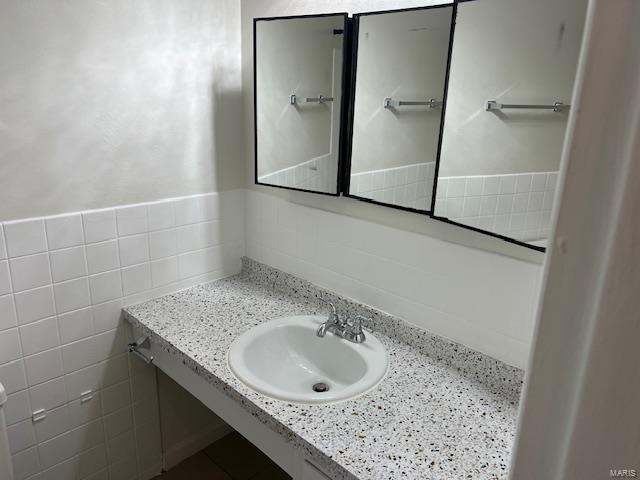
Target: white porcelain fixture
[(284, 359)]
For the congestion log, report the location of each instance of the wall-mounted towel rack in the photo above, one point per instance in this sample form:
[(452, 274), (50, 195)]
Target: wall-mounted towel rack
[(293, 99), (391, 103), (556, 106)]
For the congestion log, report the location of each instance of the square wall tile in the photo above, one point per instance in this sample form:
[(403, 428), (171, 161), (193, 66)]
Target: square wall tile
[(488, 205), (75, 325), (26, 464), (536, 201), (491, 185), (162, 244), (187, 211), (505, 204), (164, 272), (43, 366), (538, 182), (116, 397), (34, 304), (136, 279), (118, 422), (30, 272), (72, 295), (8, 317), (5, 278), (48, 395), (39, 336), (474, 186), (105, 286), (102, 257), (133, 250), (21, 435), (471, 206), (523, 183), (13, 376), (64, 231), (132, 220), (161, 215), (520, 203), (456, 186), (107, 316), (9, 345), (507, 184), (17, 407), (68, 264), (99, 225), (25, 237), (80, 354)]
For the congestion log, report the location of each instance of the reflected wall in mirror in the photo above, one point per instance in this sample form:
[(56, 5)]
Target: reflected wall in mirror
[(298, 66), (512, 60), (401, 66)]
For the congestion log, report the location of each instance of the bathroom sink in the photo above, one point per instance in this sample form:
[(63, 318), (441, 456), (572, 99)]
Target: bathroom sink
[(285, 359)]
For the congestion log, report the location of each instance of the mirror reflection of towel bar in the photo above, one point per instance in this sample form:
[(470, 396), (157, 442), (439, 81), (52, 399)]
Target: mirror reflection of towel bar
[(293, 99), (391, 103), (556, 106)]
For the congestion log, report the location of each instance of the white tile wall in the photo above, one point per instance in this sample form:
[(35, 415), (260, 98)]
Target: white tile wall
[(408, 186), (483, 300), (63, 281), (516, 205), (318, 174)]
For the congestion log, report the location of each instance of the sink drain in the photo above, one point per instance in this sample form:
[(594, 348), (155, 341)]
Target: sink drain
[(320, 387)]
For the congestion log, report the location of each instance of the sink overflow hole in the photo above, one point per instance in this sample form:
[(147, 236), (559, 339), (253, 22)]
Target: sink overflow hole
[(320, 387)]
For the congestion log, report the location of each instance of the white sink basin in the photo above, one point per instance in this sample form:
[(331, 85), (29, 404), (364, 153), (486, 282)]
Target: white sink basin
[(284, 359)]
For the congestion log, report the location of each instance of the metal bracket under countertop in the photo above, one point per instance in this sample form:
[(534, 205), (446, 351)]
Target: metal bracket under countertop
[(142, 342)]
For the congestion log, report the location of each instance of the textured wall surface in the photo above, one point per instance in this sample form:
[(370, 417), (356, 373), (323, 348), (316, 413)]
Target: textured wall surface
[(107, 103)]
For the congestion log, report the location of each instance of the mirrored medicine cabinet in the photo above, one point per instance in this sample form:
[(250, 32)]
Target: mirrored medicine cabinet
[(457, 111)]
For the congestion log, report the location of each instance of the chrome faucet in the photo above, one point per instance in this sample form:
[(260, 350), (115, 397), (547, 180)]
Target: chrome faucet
[(351, 331)]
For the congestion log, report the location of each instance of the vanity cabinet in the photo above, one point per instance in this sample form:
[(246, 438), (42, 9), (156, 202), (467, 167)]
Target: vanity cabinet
[(288, 457)]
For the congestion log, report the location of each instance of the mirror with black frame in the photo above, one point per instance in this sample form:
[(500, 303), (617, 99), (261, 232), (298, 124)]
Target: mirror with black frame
[(400, 67), (513, 66), (299, 70)]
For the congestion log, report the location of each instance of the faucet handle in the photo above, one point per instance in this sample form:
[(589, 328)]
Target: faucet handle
[(357, 333), (334, 313), (358, 322)]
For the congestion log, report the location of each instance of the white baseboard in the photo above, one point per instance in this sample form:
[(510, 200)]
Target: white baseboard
[(192, 445)]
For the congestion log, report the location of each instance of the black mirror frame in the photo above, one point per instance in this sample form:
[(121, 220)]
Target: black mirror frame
[(349, 67), (346, 46), (435, 183), (346, 180)]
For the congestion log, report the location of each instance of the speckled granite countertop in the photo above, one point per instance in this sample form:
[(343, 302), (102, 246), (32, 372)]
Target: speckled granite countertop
[(441, 412)]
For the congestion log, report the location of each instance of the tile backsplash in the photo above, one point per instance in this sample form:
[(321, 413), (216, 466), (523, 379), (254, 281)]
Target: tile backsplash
[(407, 186), (480, 299), (517, 205), (318, 174), (78, 406)]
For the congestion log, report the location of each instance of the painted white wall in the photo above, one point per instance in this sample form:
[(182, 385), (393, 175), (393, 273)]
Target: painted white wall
[(297, 56), (512, 51), (402, 55), (111, 103), (427, 272)]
